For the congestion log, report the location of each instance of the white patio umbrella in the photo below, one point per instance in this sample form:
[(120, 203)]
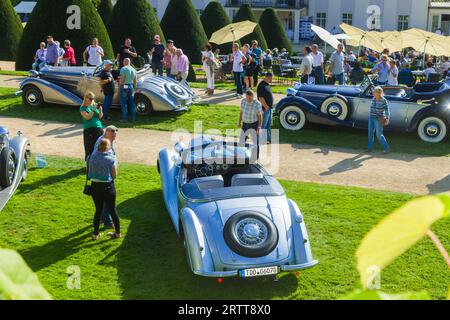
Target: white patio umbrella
[(325, 36), (233, 32), (391, 40), (360, 38)]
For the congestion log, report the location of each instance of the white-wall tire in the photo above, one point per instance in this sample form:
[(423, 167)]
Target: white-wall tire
[(292, 118), (432, 129), (335, 107)]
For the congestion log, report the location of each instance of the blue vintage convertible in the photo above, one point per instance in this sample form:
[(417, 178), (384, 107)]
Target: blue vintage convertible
[(233, 217), (424, 109)]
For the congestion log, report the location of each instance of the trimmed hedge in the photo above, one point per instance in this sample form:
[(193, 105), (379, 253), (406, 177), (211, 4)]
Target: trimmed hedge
[(182, 24), (49, 17), (105, 9), (137, 20), (11, 33), (245, 13), (273, 30), (214, 18)]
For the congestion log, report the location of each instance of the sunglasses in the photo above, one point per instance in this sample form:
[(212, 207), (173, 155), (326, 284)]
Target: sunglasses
[(91, 99)]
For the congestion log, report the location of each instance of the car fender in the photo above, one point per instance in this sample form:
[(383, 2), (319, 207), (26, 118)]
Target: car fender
[(300, 102), (439, 111), (168, 172), (302, 248), (200, 258), (53, 93), (19, 144)]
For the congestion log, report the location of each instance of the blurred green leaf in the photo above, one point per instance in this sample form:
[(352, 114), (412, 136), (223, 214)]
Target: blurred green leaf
[(17, 280), (379, 295), (445, 198), (396, 233)]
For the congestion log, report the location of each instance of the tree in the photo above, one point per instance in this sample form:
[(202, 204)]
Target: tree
[(273, 30), (11, 31), (50, 17), (136, 20), (214, 18), (105, 9), (182, 24), (245, 13)]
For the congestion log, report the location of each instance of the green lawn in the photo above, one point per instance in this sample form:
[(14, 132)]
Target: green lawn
[(282, 89), (49, 222), (13, 73), (225, 117)]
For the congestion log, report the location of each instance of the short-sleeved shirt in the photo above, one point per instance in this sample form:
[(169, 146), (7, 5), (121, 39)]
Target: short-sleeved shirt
[(207, 54), (129, 74), (338, 59), (70, 53), (392, 81), (237, 57), (257, 52), (264, 91), (317, 59), (250, 111), (307, 62), (379, 108), (94, 58), (52, 54), (158, 54), (108, 88), (93, 122), (101, 166), (124, 55), (383, 71)]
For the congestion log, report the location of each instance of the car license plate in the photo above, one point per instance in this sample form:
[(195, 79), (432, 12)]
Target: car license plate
[(259, 272)]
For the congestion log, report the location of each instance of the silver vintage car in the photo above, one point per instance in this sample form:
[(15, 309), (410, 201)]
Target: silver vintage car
[(233, 217), (67, 86), (14, 154)]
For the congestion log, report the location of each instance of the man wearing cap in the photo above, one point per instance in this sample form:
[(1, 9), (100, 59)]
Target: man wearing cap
[(157, 52), (108, 87), (126, 51), (110, 135)]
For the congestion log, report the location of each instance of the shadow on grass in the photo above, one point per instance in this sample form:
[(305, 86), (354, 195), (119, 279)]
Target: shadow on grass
[(151, 262), (51, 180), (41, 257)]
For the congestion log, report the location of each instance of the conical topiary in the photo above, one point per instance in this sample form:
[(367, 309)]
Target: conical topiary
[(50, 17), (136, 20), (245, 13), (273, 30), (182, 24), (105, 9), (11, 31), (214, 18)]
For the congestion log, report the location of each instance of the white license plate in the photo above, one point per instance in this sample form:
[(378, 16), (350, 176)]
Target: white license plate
[(259, 272)]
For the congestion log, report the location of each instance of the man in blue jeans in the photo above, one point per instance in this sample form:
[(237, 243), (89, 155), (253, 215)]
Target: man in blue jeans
[(265, 97), (336, 69), (108, 87), (127, 84)]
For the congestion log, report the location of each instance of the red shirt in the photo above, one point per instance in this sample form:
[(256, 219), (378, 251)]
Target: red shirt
[(71, 55)]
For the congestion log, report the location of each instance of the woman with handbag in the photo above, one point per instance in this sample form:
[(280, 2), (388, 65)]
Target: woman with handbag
[(378, 119), (208, 65), (92, 126), (102, 171)]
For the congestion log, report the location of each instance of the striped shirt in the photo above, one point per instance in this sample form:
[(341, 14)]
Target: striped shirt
[(379, 108), (250, 111)]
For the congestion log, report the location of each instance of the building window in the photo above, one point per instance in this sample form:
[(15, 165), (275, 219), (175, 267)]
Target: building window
[(434, 23), (347, 18), (321, 19), (199, 12), (403, 23)]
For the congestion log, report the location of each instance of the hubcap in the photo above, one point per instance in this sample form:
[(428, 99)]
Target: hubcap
[(251, 232), (12, 169), (32, 97), (141, 106), (292, 118), (432, 130), (334, 110)]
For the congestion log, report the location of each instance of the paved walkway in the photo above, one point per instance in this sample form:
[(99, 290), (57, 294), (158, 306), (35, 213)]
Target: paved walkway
[(393, 172)]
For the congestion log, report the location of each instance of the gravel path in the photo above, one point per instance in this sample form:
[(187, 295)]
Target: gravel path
[(393, 172)]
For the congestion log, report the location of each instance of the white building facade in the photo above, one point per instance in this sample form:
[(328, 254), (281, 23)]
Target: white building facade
[(439, 17)]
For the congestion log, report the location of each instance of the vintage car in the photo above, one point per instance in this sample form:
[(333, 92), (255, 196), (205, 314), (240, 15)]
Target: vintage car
[(424, 109), (67, 86), (233, 217), (14, 153)]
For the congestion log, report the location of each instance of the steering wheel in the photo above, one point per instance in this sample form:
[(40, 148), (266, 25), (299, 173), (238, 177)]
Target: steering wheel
[(204, 170)]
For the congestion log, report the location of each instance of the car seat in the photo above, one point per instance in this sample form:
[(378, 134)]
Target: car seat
[(212, 182), (247, 179)]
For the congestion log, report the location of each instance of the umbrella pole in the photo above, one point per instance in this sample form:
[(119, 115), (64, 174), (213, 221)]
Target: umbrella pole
[(423, 59)]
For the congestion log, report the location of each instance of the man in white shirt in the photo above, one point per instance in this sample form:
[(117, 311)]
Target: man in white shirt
[(392, 77), (317, 64), (238, 59), (307, 65), (351, 56), (95, 54)]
